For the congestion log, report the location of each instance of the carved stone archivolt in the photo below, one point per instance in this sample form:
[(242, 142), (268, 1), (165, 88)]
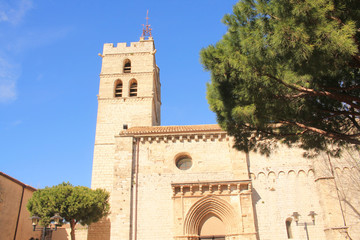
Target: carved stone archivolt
[(229, 201), (210, 205)]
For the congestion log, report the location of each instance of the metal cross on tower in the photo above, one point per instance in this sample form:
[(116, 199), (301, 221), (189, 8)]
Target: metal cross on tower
[(146, 28)]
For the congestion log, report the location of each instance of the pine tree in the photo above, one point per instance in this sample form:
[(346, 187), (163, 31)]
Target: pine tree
[(289, 71), (75, 204)]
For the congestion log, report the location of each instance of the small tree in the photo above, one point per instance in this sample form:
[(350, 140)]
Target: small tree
[(75, 204)]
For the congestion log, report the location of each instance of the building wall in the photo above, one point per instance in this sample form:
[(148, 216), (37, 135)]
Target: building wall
[(347, 177), (14, 218), (147, 194), (63, 232), (157, 170), (113, 113), (152, 199), (286, 182), (283, 183)]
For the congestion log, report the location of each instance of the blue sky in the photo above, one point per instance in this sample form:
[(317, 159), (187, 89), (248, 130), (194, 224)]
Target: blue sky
[(49, 75)]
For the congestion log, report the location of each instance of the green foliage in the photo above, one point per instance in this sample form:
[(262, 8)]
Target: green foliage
[(288, 70), (75, 204)]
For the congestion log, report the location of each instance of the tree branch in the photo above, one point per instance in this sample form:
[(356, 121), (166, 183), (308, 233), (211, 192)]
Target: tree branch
[(353, 120), (274, 133), (337, 19), (336, 136), (343, 89), (339, 113), (339, 97)]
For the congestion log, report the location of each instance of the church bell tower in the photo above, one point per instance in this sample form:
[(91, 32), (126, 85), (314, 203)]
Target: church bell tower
[(129, 95)]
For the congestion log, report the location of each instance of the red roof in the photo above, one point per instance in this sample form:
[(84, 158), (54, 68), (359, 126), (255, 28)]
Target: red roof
[(172, 129)]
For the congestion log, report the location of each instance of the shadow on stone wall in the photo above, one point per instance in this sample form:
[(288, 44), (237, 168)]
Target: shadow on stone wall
[(347, 176), (343, 189), (255, 198), (60, 234), (100, 230)]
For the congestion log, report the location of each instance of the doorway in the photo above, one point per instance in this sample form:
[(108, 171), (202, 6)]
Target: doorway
[(212, 228)]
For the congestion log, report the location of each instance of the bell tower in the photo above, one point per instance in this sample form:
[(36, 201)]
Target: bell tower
[(129, 95), (129, 79)]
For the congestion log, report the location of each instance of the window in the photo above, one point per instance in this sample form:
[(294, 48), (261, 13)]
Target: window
[(118, 89), (183, 162), (133, 88), (288, 228), (127, 66)]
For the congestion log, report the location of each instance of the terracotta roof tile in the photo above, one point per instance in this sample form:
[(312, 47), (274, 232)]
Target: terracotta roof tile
[(171, 129)]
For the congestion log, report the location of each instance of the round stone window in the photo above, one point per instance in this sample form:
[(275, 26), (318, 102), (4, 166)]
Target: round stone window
[(183, 162)]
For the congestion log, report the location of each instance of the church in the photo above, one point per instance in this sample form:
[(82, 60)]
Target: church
[(189, 183)]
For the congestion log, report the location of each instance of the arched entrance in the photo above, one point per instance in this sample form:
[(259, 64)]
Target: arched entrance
[(211, 227), (210, 218)]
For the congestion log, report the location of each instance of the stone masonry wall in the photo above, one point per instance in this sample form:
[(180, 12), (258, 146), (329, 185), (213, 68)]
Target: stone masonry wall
[(213, 160), (286, 182), (140, 172), (114, 112)]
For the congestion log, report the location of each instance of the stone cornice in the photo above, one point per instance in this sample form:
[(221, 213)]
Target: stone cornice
[(179, 137), (127, 75), (223, 188), (126, 99), (127, 54), (103, 143)]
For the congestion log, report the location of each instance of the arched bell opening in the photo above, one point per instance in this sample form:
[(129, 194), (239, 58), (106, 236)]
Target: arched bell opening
[(118, 89), (133, 88), (127, 66)]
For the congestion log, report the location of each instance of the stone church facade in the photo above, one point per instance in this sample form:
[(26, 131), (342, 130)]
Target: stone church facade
[(188, 182)]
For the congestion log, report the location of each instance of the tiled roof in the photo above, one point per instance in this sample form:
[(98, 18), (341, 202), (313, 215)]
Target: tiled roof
[(172, 129)]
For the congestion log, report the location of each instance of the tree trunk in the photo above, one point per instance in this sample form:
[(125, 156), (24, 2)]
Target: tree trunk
[(72, 225)]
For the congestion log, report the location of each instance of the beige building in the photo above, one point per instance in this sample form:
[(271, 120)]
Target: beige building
[(15, 223), (188, 182)]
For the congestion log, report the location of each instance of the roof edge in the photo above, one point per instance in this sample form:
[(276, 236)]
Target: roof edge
[(18, 182), (172, 130)]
